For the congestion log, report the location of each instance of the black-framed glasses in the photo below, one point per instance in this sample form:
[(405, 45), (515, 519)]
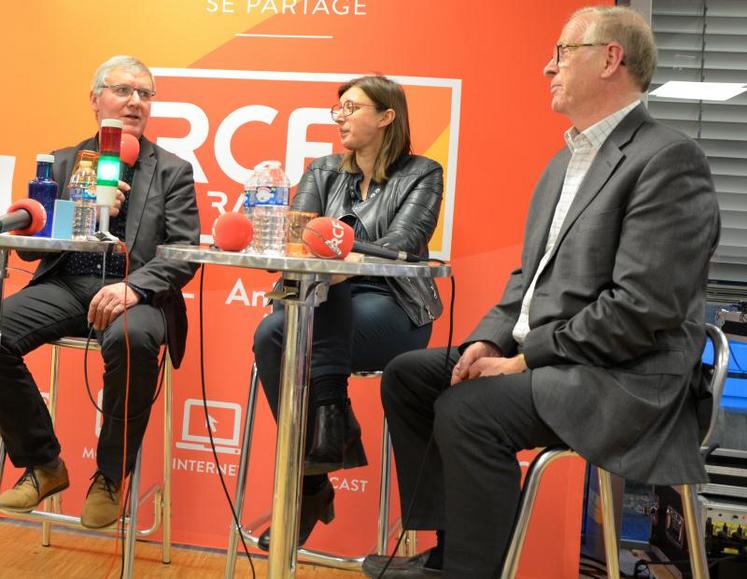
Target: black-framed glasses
[(125, 91), (563, 48), (346, 109)]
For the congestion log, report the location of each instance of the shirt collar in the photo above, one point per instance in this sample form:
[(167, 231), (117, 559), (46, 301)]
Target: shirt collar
[(595, 136)]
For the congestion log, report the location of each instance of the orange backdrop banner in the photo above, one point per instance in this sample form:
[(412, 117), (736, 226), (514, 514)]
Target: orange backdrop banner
[(241, 81)]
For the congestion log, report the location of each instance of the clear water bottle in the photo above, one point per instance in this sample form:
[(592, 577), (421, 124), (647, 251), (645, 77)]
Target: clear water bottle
[(250, 194), (82, 192), (270, 212), (44, 190)]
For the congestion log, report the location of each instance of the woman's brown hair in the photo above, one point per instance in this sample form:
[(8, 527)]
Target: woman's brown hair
[(385, 94)]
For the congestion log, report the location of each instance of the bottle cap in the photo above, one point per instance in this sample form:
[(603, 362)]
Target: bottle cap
[(44, 158), (112, 123)]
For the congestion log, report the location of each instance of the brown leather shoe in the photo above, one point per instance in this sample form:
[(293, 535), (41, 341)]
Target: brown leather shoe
[(35, 485), (101, 508)]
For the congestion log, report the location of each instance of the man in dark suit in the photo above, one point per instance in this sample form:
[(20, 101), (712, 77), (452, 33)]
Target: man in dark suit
[(69, 293), (599, 332)]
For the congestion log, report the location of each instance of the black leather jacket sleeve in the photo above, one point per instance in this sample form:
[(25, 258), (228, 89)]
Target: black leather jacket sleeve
[(415, 221)]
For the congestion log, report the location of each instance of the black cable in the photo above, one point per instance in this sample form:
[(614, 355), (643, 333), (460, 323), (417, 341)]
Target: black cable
[(418, 479), (235, 517), (159, 384), (161, 373)]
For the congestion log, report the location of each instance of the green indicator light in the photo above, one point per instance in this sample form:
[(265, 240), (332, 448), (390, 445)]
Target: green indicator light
[(108, 171)]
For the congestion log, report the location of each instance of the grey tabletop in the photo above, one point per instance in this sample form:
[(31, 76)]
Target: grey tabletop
[(370, 266), (26, 243)]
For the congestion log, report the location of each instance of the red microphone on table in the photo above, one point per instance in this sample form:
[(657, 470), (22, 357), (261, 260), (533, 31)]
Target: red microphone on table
[(330, 238), (129, 149), (24, 217), (232, 231)]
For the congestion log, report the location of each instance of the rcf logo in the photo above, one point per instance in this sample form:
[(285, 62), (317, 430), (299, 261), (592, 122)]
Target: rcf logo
[(338, 233), (224, 122)]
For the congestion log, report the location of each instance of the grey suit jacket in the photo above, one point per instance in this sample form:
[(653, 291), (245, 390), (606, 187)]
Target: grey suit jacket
[(617, 316), (162, 209)]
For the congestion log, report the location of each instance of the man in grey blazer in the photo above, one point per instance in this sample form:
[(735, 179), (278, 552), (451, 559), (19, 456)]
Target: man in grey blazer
[(69, 293), (597, 338)]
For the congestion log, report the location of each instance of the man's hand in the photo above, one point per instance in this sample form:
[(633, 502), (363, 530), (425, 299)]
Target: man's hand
[(122, 189), (109, 303), (484, 359)]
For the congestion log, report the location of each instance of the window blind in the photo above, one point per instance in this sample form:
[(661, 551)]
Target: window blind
[(706, 41)]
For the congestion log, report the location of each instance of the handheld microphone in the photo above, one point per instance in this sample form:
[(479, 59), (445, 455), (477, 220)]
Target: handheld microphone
[(24, 217), (372, 249), (232, 231), (331, 238), (129, 149)]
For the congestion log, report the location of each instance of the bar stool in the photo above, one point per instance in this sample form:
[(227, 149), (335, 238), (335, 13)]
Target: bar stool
[(694, 525), (384, 530), (51, 512)]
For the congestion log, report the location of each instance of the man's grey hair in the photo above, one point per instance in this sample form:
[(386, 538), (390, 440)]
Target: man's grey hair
[(630, 29), (129, 63)]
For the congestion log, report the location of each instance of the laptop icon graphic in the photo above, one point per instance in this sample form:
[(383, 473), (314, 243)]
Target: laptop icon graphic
[(225, 424)]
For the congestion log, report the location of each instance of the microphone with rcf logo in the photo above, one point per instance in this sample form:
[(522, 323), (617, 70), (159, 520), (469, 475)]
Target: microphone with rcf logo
[(330, 238)]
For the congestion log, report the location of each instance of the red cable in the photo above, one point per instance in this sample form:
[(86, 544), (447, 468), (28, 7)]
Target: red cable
[(126, 404)]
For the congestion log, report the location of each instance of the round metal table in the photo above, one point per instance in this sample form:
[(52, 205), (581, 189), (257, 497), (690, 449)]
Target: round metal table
[(304, 284)]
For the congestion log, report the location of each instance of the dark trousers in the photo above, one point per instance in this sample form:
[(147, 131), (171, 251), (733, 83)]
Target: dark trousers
[(358, 328), (470, 480), (53, 309)]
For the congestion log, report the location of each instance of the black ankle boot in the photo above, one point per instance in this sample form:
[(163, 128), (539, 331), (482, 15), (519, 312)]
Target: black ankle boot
[(317, 507), (337, 440)]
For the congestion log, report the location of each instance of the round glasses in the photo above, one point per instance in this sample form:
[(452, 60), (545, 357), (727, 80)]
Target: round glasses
[(346, 109)]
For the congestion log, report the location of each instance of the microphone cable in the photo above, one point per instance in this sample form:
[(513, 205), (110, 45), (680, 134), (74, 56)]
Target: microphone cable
[(226, 492), (124, 496), (421, 468)]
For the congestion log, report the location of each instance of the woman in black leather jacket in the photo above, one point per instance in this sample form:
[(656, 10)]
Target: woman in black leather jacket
[(389, 197)]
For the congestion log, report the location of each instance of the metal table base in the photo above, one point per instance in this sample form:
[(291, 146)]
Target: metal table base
[(304, 285)]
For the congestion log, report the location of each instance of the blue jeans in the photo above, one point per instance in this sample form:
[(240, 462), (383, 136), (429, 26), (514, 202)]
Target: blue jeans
[(360, 327)]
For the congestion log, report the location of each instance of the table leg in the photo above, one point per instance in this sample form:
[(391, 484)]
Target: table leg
[(302, 293), (238, 500)]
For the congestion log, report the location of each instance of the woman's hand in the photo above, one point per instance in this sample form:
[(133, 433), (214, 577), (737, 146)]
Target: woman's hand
[(352, 258)]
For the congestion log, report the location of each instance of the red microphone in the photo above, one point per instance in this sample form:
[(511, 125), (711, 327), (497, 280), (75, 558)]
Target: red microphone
[(129, 149), (24, 217), (232, 231), (328, 238), (331, 238)]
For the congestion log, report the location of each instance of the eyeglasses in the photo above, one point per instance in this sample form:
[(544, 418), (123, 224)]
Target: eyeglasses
[(346, 109), (562, 49), (125, 91)]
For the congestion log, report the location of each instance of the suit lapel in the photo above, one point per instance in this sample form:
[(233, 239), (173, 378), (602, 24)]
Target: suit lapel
[(145, 170), (538, 226), (608, 159)]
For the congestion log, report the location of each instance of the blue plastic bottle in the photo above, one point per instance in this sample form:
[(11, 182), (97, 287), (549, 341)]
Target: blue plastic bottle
[(44, 190)]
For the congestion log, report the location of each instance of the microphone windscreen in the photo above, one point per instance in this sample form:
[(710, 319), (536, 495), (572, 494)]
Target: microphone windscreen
[(328, 238), (232, 231), (35, 210), (129, 149)]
